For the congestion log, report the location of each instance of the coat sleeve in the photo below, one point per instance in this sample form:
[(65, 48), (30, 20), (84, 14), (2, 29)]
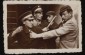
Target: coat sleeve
[(68, 27), (12, 40)]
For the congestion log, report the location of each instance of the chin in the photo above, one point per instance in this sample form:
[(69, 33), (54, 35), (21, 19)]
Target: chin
[(39, 18), (31, 27)]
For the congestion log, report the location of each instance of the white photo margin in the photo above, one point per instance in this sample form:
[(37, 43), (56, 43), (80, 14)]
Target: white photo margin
[(26, 51)]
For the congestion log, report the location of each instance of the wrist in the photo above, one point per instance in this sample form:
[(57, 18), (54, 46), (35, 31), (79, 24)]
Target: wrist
[(13, 33), (39, 35)]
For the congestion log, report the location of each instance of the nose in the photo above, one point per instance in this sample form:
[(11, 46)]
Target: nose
[(41, 15), (32, 22), (62, 16), (47, 18)]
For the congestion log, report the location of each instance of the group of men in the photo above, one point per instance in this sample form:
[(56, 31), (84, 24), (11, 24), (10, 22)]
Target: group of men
[(35, 33)]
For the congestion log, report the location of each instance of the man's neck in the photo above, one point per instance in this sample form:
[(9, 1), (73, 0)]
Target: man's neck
[(64, 21)]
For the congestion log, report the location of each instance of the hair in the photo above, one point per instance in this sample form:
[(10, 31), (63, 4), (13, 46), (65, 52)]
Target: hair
[(65, 8), (20, 23)]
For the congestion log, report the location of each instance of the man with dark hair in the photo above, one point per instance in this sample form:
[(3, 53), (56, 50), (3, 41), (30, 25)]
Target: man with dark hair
[(65, 8), (68, 32), (51, 15)]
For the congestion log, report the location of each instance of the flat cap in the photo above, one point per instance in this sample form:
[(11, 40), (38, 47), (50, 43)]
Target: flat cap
[(50, 13), (22, 16), (38, 9)]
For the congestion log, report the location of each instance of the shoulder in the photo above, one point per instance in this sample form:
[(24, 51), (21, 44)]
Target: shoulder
[(71, 24), (37, 29), (44, 23)]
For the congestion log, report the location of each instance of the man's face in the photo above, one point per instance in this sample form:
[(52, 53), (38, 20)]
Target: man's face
[(28, 20), (38, 15), (49, 18), (65, 15)]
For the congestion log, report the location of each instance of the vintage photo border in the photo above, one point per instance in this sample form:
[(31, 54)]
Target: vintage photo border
[(20, 51)]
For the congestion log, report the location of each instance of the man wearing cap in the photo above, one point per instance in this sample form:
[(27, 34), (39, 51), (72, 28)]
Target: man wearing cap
[(19, 38), (38, 15), (37, 27), (50, 16), (50, 42), (68, 32), (39, 24)]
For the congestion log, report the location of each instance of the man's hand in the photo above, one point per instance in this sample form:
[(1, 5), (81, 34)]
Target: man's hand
[(45, 29), (17, 30), (35, 35)]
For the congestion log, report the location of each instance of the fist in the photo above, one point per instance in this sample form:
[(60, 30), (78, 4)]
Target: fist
[(34, 35)]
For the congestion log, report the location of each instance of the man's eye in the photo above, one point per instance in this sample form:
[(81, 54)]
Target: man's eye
[(49, 16), (63, 14), (31, 16), (31, 19), (25, 19)]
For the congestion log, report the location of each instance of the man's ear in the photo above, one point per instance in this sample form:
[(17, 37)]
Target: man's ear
[(34, 15), (70, 13)]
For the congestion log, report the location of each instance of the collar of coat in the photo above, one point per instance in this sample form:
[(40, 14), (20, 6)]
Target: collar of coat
[(26, 29)]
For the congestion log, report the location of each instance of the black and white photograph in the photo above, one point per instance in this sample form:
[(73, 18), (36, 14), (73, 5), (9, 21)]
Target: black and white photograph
[(42, 27)]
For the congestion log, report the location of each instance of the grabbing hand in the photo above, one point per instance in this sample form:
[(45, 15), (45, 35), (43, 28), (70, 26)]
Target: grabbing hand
[(34, 35)]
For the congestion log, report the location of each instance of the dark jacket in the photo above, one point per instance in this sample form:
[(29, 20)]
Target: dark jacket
[(51, 43), (47, 43), (22, 40)]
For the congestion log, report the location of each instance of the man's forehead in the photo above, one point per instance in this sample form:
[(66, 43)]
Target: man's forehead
[(28, 17), (64, 12)]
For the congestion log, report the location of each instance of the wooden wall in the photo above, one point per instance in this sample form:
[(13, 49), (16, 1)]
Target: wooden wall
[(11, 17)]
